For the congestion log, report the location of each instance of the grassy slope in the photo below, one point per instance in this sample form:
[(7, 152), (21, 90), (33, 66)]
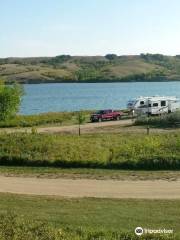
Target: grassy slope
[(88, 69), (96, 214)]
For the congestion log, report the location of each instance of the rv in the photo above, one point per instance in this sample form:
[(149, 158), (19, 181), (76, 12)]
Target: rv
[(154, 105)]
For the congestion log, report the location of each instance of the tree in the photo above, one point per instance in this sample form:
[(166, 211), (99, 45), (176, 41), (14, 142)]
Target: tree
[(10, 99), (111, 56), (81, 119)]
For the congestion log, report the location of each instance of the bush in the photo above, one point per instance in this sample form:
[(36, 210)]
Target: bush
[(167, 120), (10, 98)]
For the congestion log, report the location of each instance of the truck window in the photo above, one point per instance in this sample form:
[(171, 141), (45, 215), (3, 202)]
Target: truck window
[(163, 103), (141, 102), (155, 104)]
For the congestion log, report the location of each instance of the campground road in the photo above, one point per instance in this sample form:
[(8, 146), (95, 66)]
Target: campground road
[(158, 189), (87, 127)]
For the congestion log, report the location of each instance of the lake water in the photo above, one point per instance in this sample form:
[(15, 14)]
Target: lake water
[(55, 97)]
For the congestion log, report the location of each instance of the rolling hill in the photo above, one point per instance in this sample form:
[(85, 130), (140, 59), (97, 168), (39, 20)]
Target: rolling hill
[(109, 68)]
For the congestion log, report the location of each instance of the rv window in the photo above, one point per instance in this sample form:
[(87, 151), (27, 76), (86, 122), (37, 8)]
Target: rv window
[(155, 104), (163, 103), (141, 102)]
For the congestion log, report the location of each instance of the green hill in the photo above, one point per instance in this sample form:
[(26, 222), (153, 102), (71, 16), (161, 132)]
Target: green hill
[(109, 68)]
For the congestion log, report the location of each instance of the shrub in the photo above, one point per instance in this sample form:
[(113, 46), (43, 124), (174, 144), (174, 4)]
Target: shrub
[(10, 98), (167, 120)]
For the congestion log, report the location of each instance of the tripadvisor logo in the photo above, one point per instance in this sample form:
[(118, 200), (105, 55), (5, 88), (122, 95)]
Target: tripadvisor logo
[(139, 231)]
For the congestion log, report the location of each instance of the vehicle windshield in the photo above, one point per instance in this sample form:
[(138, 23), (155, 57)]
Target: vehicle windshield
[(99, 112), (132, 103)]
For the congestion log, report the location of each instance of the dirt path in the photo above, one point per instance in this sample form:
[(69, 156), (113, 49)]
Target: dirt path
[(85, 127), (99, 127), (91, 188), (72, 128)]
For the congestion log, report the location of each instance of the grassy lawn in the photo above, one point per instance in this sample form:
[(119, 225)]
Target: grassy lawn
[(96, 214), (89, 173)]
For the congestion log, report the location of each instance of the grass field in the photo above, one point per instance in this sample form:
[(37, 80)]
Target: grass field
[(118, 151), (95, 214)]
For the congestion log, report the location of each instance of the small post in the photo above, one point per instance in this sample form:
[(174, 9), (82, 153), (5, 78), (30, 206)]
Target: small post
[(148, 129), (81, 119), (79, 130), (132, 116)]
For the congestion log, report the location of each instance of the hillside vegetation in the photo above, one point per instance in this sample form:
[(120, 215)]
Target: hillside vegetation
[(109, 68)]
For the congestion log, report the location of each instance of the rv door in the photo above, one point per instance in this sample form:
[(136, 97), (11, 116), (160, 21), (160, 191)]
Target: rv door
[(155, 108)]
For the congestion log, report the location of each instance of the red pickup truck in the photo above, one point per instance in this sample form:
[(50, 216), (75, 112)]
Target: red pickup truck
[(102, 115)]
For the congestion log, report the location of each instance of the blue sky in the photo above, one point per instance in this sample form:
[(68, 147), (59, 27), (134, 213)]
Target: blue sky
[(88, 27)]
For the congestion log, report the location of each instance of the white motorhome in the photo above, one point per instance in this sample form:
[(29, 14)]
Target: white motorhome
[(154, 105)]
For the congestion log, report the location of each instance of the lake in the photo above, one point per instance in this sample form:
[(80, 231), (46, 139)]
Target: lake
[(56, 97)]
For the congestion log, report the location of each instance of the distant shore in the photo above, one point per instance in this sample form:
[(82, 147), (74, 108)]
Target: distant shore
[(91, 69), (90, 81)]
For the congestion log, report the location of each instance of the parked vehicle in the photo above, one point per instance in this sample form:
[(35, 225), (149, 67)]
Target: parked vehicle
[(154, 105), (102, 115)]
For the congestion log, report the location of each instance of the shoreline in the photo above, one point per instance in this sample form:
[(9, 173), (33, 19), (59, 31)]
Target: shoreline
[(81, 82)]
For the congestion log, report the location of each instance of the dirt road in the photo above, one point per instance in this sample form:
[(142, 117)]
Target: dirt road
[(158, 189), (87, 127), (99, 127)]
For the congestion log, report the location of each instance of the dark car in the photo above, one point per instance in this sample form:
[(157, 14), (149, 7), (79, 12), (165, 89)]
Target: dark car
[(102, 115)]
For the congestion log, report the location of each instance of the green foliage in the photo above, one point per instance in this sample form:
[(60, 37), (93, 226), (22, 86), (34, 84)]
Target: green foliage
[(13, 227), (169, 62), (40, 119), (118, 151), (87, 74), (59, 59), (111, 56), (10, 98), (81, 117), (165, 120), (153, 57)]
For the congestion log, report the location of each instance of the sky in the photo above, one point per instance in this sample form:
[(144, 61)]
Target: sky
[(88, 27)]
